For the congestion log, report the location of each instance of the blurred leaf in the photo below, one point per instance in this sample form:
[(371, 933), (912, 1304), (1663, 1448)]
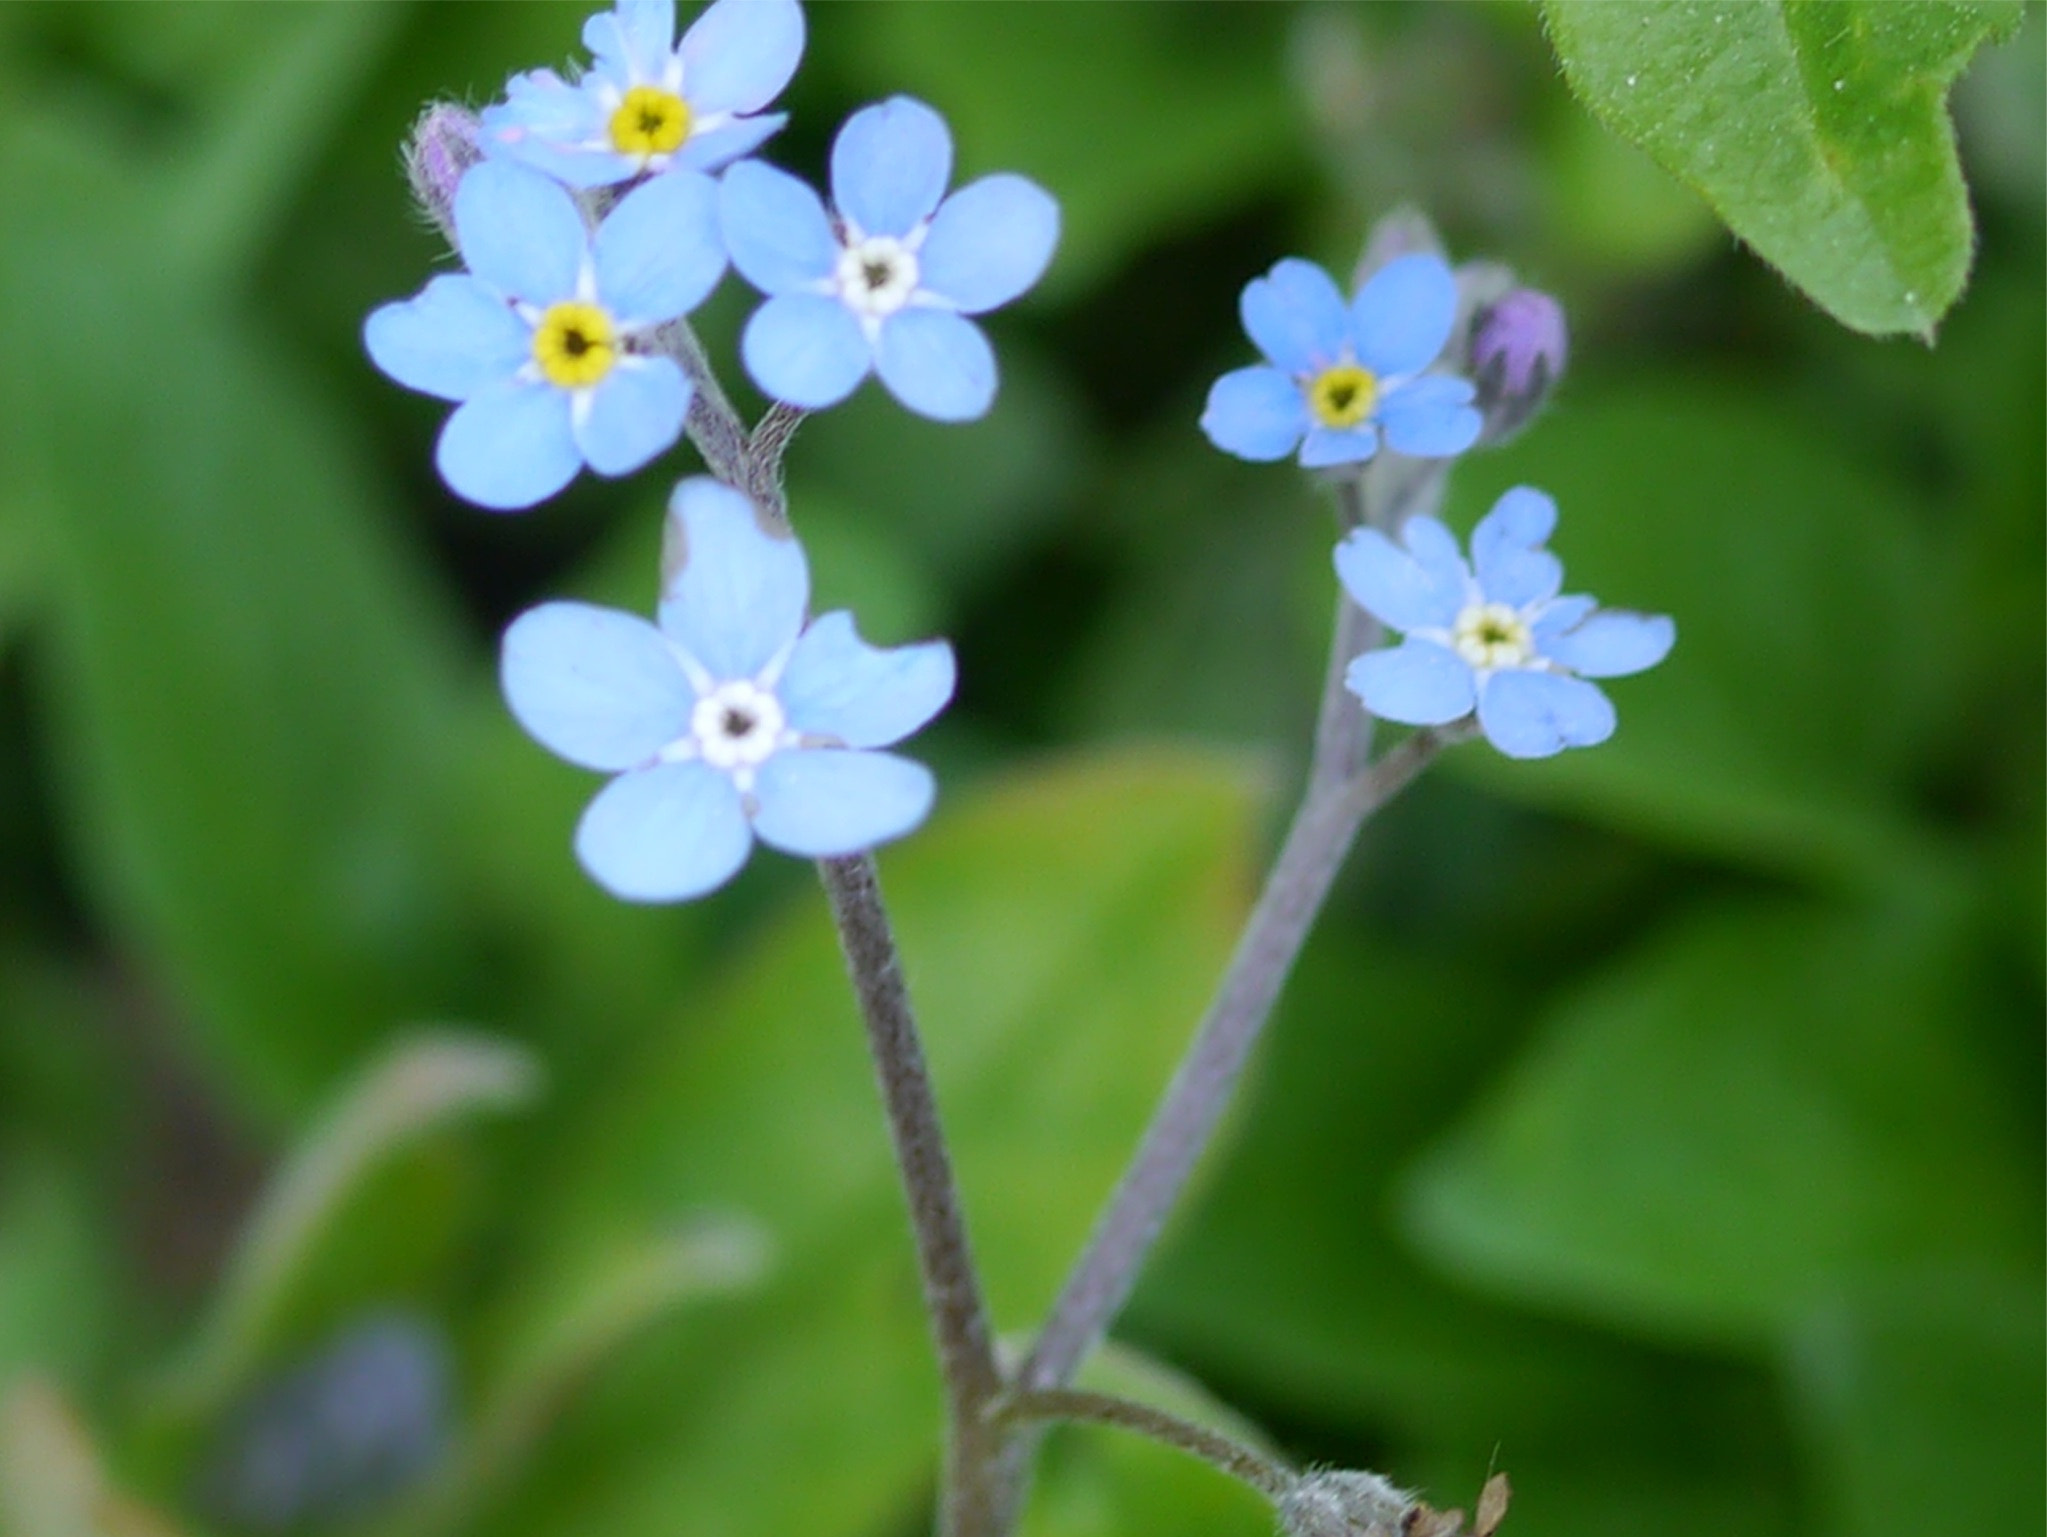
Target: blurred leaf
[(1141, 119), (1921, 1395), (1817, 128), (1810, 617), (56, 1279), (1766, 1104), (624, 1294), (1060, 932), (251, 688), (421, 1084), (1288, 1280), (1611, 207), (52, 1483)]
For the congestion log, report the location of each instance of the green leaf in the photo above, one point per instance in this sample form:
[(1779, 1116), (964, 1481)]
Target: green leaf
[(1763, 1106), (420, 1085), (251, 689), (1818, 129), (1060, 932), (53, 1480), (56, 1277), (1289, 1278), (1920, 1392), (1786, 728)]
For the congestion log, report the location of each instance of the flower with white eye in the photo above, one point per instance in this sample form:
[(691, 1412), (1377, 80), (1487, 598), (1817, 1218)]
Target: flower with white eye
[(1494, 636), (647, 105), (884, 280), (730, 719)]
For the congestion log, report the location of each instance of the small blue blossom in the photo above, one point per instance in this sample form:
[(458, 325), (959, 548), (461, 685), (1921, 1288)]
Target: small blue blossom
[(1496, 639), (543, 341), (732, 719), (883, 282), (646, 105), (1340, 376)]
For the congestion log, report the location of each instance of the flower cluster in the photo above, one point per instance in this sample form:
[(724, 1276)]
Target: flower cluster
[(1491, 640), (594, 211)]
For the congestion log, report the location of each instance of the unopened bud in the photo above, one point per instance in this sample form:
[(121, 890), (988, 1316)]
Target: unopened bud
[(444, 143), (1518, 347), (1344, 1505), (1403, 232)]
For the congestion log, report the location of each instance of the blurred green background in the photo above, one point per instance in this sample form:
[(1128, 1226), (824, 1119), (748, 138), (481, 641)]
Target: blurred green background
[(1662, 1123)]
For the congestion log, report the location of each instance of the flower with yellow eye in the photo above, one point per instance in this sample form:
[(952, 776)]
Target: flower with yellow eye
[(647, 104), (544, 343), (1493, 637), (1340, 378)]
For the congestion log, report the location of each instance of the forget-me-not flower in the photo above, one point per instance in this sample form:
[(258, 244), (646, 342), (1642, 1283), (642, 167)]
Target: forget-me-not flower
[(886, 279), (542, 341), (1492, 636), (732, 719), (1340, 376), (645, 104)]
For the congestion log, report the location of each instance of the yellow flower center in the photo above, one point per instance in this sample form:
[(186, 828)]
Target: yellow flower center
[(650, 121), (1344, 395), (575, 344), (1492, 635)]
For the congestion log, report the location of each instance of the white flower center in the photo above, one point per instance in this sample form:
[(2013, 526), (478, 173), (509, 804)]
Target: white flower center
[(1492, 636), (738, 726), (877, 275)]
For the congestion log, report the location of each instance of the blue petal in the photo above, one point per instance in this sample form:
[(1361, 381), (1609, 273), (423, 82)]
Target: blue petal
[(1394, 587), (1327, 446), (1435, 547), (632, 414), (1295, 314), (549, 124), (1430, 417), (738, 55), (664, 834), (597, 686), (1507, 553), (825, 803), (659, 252), (1256, 414), (1403, 314), (989, 242), (805, 349), (1537, 714), (509, 446), (836, 685), (937, 363), (738, 597), (1417, 683), (450, 341), (519, 232), (634, 40), (1613, 643), (890, 165), (1559, 615), (718, 147), (776, 229)]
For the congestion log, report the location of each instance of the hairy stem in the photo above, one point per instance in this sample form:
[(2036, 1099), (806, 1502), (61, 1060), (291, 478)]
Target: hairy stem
[(952, 1290), (1342, 792), (1270, 1477), (1315, 847)]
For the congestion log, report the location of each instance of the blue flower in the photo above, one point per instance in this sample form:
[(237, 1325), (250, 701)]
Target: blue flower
[(1499, 640), (883, 283), (646, 105), (1342, 375), (732, 719), (544, 341)]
